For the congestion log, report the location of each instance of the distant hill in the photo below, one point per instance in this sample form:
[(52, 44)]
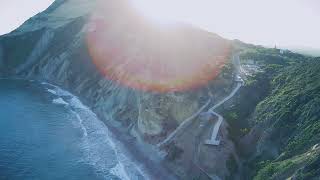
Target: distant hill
[(309, 51)]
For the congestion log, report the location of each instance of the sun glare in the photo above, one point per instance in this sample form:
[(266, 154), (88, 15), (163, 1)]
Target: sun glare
[(139, 54), (163, 12)]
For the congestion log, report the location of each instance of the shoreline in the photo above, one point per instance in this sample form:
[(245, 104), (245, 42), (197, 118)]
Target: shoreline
[(132, 148), (136, 152)]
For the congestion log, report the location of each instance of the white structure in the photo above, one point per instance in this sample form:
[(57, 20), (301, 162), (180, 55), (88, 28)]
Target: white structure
[(214, 140)]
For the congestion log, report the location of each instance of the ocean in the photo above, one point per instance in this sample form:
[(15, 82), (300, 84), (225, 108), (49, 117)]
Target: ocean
[(48, 133)]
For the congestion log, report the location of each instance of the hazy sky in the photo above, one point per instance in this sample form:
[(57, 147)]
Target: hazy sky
[(14, 12), (266, 22)]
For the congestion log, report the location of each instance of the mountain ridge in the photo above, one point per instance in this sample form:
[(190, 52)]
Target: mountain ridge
[(53, 46)]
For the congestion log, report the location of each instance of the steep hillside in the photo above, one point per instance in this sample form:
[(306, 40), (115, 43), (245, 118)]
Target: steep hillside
[(104, 53), (291, 114), (155, 87), (275, 121)]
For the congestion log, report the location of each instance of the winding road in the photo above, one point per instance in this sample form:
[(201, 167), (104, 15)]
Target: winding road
[(188, 121), (213, 140), (182, 126)]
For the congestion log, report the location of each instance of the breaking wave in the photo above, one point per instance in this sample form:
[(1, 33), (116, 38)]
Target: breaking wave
[(97, 142)]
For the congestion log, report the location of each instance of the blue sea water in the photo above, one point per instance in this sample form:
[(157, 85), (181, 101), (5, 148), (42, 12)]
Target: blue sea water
[(47, 133)]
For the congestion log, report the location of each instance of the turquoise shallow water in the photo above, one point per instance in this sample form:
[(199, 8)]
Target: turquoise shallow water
[(46, 133)]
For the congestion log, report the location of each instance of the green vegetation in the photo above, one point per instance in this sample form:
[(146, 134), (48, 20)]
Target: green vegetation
[(258, 86), (269, 56), (302, 166), (284, 101), (254, 91), (293, 108), (292, 114), (311, 170)]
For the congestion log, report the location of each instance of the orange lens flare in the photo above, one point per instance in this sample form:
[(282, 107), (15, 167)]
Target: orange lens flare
[(143, 56)]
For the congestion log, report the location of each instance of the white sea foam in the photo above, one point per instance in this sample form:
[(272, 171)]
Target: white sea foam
[(85, 133), (60, 101), (61, 92), (98, 145), (52, 91), (120, 172), (57, 91), (76, 103)]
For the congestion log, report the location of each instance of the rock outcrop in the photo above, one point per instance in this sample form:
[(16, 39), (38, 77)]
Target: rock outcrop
[(53, 47)]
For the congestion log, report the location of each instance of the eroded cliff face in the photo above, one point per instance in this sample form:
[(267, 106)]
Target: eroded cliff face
[(52, 46), (1, 60)]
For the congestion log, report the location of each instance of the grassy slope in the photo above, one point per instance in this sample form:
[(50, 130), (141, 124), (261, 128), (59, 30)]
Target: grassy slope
[(293, 112), (286, 97)]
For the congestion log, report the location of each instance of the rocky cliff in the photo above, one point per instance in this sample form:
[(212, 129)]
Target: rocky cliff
[(152, 84), (59, 46)]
